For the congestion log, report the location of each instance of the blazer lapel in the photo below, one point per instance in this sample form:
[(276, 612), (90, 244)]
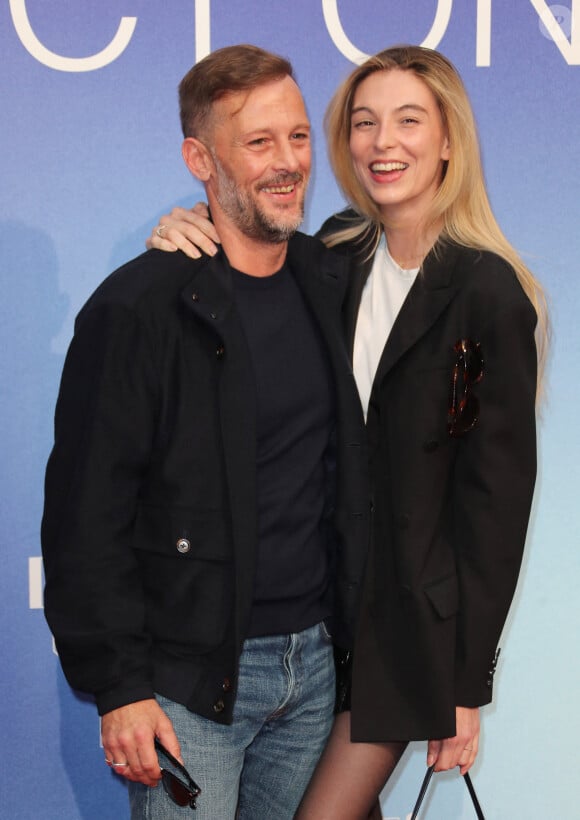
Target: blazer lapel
[(432, 291), (359, 273)]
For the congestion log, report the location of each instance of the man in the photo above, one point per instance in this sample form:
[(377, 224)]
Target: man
[(206, 501)]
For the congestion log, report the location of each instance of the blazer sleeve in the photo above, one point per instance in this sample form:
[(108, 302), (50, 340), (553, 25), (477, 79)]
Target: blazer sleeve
[(493, 489), (104, 427)]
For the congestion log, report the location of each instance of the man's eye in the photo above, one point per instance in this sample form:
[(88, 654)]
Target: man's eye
[(299, 136)]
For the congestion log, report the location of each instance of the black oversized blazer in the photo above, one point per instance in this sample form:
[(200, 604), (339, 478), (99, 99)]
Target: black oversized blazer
[(450, 514), (149, 527)]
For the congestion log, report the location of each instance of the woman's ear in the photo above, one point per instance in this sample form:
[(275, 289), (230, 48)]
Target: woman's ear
[(197, 158), (446, 148)]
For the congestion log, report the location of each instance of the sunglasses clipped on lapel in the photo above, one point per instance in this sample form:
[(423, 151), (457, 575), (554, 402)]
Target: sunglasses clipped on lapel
[(463, 410)]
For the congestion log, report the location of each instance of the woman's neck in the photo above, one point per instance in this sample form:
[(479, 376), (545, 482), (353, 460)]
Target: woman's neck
[(409, 245)]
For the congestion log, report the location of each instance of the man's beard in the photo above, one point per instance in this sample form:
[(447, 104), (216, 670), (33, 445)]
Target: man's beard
[(246, 214)]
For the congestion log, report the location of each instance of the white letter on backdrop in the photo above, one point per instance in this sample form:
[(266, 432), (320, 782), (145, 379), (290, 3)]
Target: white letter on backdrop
[(344, 45), (35, 583), (48, 58), (202, 34), (483, 33), (570, 51)]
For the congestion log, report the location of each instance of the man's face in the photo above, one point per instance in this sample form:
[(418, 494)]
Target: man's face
[(262, 156)]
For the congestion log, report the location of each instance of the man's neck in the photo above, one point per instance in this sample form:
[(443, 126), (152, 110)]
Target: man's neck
[(248, 255)]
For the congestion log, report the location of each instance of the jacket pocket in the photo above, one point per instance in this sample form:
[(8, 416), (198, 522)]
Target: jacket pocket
[(443, 595), (186, 570), (184, 533)]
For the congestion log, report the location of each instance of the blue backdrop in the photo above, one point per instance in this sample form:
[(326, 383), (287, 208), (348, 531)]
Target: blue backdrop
[(90, 157)]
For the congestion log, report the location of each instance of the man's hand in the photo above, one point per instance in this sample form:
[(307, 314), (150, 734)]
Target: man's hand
[(190, 231), (460, 750), (128, 735)]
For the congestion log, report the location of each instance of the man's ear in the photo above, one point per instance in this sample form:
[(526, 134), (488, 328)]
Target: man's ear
[(197, 158)]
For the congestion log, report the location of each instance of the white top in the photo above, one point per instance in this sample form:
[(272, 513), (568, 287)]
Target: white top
[(382, 298)]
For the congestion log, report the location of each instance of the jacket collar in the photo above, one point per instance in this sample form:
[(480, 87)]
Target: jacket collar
[(209, 293), (321, 276)]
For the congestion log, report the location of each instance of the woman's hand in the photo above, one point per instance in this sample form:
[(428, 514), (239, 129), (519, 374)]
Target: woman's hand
[(460, 750), (190, 231)]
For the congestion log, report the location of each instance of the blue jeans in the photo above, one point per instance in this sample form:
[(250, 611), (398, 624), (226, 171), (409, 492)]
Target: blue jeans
[(261, 764)]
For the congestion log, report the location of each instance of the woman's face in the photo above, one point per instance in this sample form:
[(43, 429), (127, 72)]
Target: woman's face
[(398, 143)]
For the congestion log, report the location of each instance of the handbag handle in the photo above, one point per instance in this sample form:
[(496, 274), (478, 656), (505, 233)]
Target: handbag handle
[(425, 786)]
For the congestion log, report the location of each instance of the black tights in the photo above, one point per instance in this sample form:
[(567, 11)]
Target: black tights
[(349, 777)]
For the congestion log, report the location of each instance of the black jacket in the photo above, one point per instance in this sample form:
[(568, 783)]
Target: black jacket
[(149, 528), (450, 514)]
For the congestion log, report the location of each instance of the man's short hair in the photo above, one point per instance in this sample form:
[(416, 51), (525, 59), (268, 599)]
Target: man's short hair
[(230, 69)]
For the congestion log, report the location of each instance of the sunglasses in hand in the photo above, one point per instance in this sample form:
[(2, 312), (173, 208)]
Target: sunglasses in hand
[(183, 792)]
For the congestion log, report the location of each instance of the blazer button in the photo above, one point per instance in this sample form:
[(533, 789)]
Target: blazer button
[(183, 545), (227, 685), (219, 351), (195, 297), (219, 706)]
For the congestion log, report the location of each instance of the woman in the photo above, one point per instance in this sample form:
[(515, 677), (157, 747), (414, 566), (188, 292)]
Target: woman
[(440, 318)]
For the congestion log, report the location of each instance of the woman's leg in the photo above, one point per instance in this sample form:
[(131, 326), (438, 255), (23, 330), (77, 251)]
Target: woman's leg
[(349, 777)]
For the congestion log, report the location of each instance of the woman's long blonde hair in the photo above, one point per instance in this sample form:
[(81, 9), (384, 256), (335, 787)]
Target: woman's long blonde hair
[(461, 203)]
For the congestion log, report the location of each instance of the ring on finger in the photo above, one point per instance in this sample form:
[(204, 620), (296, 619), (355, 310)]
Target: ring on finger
[(159, 230), (116, 765)]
